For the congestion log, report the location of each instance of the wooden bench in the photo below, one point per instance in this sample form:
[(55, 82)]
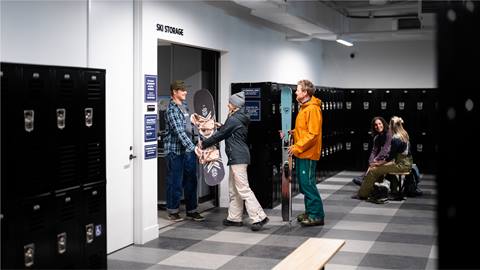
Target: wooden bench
[(312, 254), (400, 176)]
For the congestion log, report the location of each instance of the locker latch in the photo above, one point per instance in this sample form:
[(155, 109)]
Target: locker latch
[(61, 114), (366, 105), (383, 105), (419, 147), (28, 116), (88, 117), (419, 106), (401, 105), (365, 146), (62, 243), (29, 254), (89, 233), (348, 104)]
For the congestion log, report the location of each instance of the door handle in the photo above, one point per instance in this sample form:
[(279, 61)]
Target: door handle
[(132, 157)]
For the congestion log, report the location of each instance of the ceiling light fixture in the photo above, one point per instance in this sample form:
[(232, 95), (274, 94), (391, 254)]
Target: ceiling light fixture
[(344, 42)]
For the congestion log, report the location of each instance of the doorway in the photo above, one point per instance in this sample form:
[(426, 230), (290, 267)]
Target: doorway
[(199, 69)]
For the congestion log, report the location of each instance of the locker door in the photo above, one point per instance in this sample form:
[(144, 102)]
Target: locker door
[(92, 126), (64, 128), (33, 244), (93, 227), (30, 119), (67, 247)]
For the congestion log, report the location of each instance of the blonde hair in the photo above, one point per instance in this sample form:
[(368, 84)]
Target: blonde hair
[(396, 126), (307, 86)]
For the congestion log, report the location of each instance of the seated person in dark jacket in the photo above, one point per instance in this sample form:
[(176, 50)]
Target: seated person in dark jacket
[(381, 145), (399, 160), (234, 132)]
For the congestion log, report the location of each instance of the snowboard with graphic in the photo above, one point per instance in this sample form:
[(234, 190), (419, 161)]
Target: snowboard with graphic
[(204, 106), (286, 168)]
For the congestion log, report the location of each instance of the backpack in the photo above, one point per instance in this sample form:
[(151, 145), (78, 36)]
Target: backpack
[(380, 192), (411, 188)]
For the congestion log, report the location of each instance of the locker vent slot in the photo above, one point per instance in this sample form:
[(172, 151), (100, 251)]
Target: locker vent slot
[(67, 160), (68, 211), (37, 220), (66, 89), (94, 90), (94, 161), (94, 204)]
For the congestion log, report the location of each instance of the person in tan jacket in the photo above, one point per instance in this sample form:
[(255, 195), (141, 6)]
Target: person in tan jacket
[(307, 145)]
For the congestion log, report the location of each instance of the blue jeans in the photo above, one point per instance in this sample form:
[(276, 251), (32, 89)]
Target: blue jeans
[(181, 174)]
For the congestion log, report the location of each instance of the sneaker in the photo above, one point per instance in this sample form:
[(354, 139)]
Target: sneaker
[(258, 225), (195, 216), (312, 222), (227, 222), (175, 217), (301, 217), (357, 181)]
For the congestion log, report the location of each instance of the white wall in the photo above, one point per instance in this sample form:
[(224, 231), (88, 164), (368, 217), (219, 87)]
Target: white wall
[(400, 64), (44, 32)]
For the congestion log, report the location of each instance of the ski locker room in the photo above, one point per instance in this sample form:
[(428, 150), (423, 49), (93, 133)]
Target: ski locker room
[(85, 90)]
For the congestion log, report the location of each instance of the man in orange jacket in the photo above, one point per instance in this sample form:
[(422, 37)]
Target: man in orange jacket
[(307, 136)]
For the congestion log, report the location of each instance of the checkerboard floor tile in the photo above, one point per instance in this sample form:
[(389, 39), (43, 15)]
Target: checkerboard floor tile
[(393, 235)]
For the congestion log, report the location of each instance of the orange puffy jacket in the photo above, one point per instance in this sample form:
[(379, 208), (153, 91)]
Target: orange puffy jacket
[(308, 131)]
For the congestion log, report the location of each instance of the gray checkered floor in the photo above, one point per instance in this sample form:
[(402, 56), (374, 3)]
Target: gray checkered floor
[(396, 235)]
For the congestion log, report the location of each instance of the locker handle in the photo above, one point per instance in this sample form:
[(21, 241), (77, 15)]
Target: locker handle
[(61, 115), (29, 117), (89, 233), (62, 243), (29, 254), (88, 117)]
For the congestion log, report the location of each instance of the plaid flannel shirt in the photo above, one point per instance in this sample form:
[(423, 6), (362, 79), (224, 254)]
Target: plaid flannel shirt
[(176, 139)]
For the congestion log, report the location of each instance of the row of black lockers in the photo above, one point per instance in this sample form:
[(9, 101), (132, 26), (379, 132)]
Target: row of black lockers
[(53, 153), (459, 100), (346, 130), (417, 107)]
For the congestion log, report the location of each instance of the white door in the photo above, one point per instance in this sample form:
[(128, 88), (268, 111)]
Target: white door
[(110, 42)]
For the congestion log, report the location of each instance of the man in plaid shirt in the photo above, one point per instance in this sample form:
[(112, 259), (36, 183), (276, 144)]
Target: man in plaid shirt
[(181, 159)]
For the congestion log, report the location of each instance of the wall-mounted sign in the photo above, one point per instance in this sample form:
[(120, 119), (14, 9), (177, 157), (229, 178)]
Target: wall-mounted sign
[(252, 92), (170, 29), (150, 151), (253, 109), (150, 88), (150, 127)]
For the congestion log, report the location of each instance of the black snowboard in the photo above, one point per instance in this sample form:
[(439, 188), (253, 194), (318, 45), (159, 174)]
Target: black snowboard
[(203, 104)]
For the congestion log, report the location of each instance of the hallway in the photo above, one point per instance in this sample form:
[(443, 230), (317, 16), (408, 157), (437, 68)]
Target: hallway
[(396, 235)]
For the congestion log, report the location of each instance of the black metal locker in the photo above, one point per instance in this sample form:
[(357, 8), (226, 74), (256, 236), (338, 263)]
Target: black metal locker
[(67, 247), (29, 116), (64, 127), (31, 230), (93, 228), (92, 126)]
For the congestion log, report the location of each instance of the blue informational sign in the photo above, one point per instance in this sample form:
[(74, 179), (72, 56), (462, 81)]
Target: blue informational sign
[(253, 109), (150, 88), (252, 92), (150, 151), (150, 127)]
